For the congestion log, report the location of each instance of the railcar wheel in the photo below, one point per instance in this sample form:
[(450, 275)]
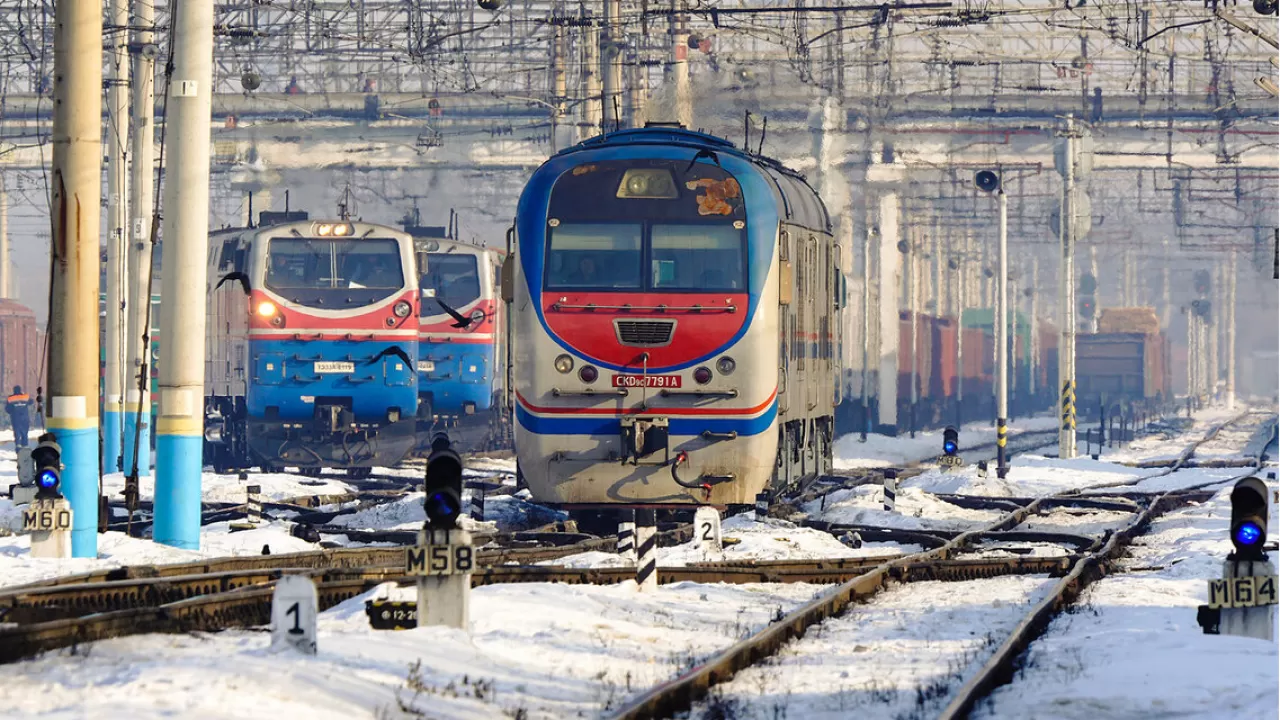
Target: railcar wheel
[(359, 473)]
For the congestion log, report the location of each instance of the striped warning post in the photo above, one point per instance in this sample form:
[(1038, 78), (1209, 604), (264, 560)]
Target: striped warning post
[(627, 535), (762, 506), (646, 550), (1068, 406), (253, 505), (477, 504), (890, 490)]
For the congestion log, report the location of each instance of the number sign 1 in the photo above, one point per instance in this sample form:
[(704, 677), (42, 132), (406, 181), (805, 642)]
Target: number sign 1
[(293, 614)]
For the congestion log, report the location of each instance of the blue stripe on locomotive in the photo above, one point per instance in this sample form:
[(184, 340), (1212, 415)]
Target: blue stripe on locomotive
[(283, 373), (463, 373), (759, 196), (611, 426)]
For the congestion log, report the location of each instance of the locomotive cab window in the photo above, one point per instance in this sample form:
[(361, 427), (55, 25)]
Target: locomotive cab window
[(333, 273), (454, 279), (647, 225)]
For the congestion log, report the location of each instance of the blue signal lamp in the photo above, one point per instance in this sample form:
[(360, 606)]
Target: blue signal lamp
[(1248, 534), (950, 440), (949, 447), (48, 480)]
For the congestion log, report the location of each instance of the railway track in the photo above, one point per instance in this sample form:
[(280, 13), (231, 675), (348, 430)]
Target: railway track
[(681, 693)]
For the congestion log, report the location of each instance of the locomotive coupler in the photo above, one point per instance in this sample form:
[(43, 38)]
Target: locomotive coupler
[(642, 437)]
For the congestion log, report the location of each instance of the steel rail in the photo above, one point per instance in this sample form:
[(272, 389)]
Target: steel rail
[(680, 693), (249, 604), (1000, 667)]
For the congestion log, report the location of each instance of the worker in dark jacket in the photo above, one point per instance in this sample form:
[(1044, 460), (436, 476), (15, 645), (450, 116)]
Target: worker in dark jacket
[(19, 409)]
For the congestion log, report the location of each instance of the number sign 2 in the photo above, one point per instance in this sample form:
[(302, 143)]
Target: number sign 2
[(293, 614), (706, 528)]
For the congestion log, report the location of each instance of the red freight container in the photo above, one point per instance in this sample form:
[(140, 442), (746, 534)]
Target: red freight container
[(923, 358), (19, 348)]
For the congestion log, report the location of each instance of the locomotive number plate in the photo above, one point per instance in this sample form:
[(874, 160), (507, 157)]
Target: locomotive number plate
[(335, 367), (653, 381), (426, 366)]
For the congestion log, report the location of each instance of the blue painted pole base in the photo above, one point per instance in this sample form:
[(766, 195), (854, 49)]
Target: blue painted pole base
[(80, 483), (179, 460), (111, 421), (144, 439)]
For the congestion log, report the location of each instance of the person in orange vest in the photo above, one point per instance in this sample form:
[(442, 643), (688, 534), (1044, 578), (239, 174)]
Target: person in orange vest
[(19, 409)]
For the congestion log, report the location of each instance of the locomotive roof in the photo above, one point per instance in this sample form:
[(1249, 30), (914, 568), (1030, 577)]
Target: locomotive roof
[(801, 203)]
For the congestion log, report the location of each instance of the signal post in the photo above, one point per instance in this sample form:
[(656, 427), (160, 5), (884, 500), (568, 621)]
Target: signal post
[(1243, 602), (48, 517), (444, 558)]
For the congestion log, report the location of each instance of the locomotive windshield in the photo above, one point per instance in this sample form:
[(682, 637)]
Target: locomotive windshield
[(652, 226), (454, 279), (334, 273)]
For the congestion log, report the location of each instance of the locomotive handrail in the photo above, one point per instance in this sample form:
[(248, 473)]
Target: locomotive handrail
[(650, 308), (700, 393), (621, 392)]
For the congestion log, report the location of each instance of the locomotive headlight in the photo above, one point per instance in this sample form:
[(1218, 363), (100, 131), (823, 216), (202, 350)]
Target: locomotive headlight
[(564, 363), (726, 365), (477, 317), (324, 230), (588, 374), (649, 183), (402, 309), (702, 375), (341, 230), (266, 309)]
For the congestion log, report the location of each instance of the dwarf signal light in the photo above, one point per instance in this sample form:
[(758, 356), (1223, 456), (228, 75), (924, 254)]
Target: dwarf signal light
[(1249, 518), (443, 485), (950, 440), (47, 456)]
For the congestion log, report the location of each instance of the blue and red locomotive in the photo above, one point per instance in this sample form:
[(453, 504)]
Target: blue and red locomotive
[(674, 306), (461, 355), (313, 335)]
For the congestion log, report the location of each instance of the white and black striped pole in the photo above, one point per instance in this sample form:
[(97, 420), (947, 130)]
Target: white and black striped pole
[(477, 504), (762, 506), (890, 490), (627, 535), (646, 550), (253, 506)]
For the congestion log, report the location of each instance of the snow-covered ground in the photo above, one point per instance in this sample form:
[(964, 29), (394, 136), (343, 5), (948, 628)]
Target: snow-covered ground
[(535, 651), (884, 451), (892, 657), (1133, 649), (552, 651)]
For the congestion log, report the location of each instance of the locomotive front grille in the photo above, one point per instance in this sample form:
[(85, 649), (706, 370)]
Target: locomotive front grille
[(644, 333)]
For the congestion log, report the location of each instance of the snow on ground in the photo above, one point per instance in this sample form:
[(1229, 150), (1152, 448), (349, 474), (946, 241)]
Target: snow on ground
[(885, 451), (916, 509), (888, 658), (549, 651), (1029, 475), (772, 539), (116, 549), (1133, 649), (1169, 442), (1077, 521)]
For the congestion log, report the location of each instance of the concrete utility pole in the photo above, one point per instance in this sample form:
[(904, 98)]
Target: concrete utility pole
[(1093, 270), (6, 283), (680, 65), (593, 110), (638, 92), (117, 227), (913, 303), (1035, 327), (559, 83), (76, 198), (137, 393), (1002, 337), (180, 425), (866, 330), (611, 65), (1230, 329), (1067, 303)]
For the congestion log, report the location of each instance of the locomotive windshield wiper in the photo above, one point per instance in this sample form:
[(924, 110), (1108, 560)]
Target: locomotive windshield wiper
[(462, 321)]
